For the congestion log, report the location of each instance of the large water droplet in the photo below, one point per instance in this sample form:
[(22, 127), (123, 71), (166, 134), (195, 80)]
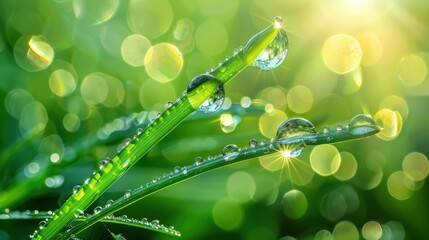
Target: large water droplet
[(230, 152), (213, 103), (294, 127), (361, 123), (275, 53)]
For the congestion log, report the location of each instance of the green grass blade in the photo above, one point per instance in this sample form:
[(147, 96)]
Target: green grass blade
[(152, 134), (264, 148)]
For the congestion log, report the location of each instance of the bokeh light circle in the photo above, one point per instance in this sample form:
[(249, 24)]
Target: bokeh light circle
[(33, 117), (134, 49), (416, 166), (390, 123), (269, 122), (62, 82), (342, 53), (400, 185), (294, 204), (325, 159), (300, 99), (71, 122), (240, 187), (227, 214), (348, 167), (94, 89), (150, 18), (163, 62), (372, 230), (372, 48), (345, 230), (95, 12), (412, 70)]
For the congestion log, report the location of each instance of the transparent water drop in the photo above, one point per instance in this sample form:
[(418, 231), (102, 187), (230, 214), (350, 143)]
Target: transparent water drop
[(128, 193), (103, 162), (97, 209), (169, 104), (325, 130), (198, 160), (253, 143), (76, 189), (361, 123), (295, 127), (139, 131), (339, 127), (294, 151), (79, 213), (42, 224), (155, 179), (263, 142), (278, 21), (144, 221), (230, 152), (185, 171), (155, 223), (109, 203), (275, 53), (124, 144), (215, 101), (176, 169)]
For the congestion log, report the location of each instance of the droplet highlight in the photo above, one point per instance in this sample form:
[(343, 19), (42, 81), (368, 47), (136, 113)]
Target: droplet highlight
[(214, 102), (295, 127), (230, 152), (275, 53)]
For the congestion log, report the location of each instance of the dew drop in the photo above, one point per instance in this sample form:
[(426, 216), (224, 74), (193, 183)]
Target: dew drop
[(185, 172), (339, 127), (42, 224), (128, 193), (215, 101), (97, 209), (230, 152), (176, 169), (139, 131), (198, 160), (275, 53), (76, 189), (295, 127), (294, 151), (79, 213), (325, 130), (144, 221), (124, 144), (155, 223), (361, 124), (103, 162), (263, 142), (253, 143), (278, 22), (169, 104), (109, 203)]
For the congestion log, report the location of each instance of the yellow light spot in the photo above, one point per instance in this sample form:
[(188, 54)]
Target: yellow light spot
[(325, 159), (34, 116), (71, 122), (372, 230), (62, 82), (94, 89), (294, 204), (163, 62), (395, 103), (345, 230), (276, 96), (347, 168), (300, 99), (412, 70), (342, 53), (245, 102), (371, 48), (400, 185), (228, 123), (134, 49), (390, 123), (269, 122), (95, 12), (211, 38), (39, 53), (150, 18), (416, 166)]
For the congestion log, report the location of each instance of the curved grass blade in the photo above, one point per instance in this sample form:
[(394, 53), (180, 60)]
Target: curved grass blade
[(143, 141), (123, 220), (284, 145)]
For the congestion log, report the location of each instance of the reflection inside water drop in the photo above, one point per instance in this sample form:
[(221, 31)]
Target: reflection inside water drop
[(274, 54), (214, 102), (295, 127)]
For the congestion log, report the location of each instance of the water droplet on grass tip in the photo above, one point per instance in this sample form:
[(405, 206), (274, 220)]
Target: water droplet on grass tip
[(230, 152), (278, 22), (76, 189), (275, 53), (214, 102), (295, 127)]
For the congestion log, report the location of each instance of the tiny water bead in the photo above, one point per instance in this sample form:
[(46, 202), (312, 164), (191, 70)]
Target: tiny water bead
[(275, 53), (253, 143), (103, 162), (215, 101), (230, 152), (97, 209), (128, 193), (295, 127), (76, 189), (198, 160), (124, 144)]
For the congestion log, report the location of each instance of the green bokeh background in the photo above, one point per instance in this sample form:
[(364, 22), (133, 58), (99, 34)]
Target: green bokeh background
[(86, 38)]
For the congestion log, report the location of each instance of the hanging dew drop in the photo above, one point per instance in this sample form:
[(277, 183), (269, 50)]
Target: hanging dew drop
[(214, 102), (295, 127), (230, 152), (275, 53)]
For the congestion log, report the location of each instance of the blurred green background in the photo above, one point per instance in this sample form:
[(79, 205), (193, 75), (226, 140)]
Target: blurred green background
[(68, 67)]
